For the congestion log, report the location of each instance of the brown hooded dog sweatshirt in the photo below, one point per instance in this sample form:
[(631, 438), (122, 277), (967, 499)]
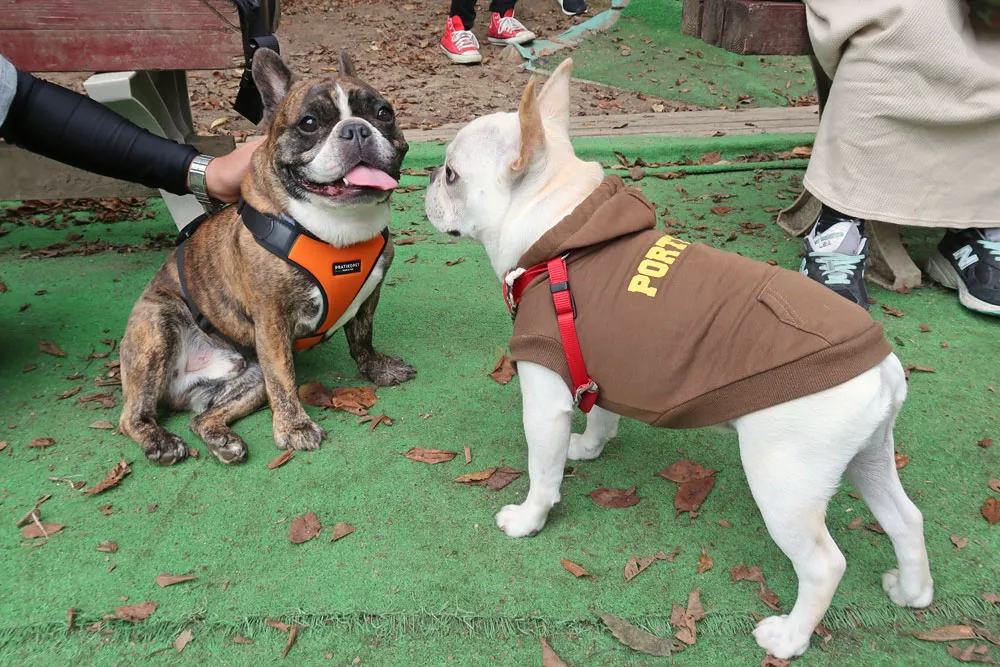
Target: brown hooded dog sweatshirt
[(680, 334)]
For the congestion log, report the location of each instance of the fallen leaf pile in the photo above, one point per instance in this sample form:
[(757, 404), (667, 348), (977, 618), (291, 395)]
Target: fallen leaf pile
[(767, 596), (495, 478), (355, 400), (695, 483), (685, 619)]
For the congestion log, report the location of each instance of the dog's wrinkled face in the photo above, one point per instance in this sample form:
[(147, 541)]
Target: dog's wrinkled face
[(335, 141), (471, 193)]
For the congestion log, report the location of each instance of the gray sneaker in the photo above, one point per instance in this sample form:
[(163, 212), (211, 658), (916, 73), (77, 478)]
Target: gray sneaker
[(836, 258)]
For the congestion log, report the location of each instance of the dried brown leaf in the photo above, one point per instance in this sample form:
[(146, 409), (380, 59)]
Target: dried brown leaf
[(292, 634), (549, 657), (690, 495), (695, 610), (355, 400), (69, 392), (375, 420), (971, 653), (50, 348), (875, 527), (479, 476), (304, 528), (504, 371), (33, 530), (640, 640), (183, 640), (502, 477), (432, 456), (994, 484), (636, 173), (901, 461), (947, 633), (743, 573), (42, 443), (720, 210), (985, 443), (992, 597), (114, 476), (164, 580), (341, 529), (453, 262), (855, 523), (685, 625), (991, 510), (635, 564), (705, 562), (278, 625), (102, 424), (709, 158), (802, 151), (615, 498), (70, 615), (770, 661), (3, 445), (889, 310), (959, 542), (280, 460), (315, 394), (924, 328), (108, 546), (240, 639), (685, 471), (574, 569), (468, 454), (136, 612)]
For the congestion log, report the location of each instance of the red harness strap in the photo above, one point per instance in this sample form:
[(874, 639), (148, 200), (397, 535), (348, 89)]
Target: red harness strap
[(585, 389)]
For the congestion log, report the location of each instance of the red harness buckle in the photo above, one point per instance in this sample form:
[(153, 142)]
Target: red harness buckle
[(585, 389)]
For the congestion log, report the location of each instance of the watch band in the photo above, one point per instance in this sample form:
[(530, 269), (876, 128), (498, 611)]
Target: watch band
[(196, 183)]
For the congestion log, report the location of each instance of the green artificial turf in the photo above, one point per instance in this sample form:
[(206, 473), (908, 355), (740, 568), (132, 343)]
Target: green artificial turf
[(427, 579), (646, 52)]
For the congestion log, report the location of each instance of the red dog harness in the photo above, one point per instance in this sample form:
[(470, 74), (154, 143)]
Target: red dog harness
[(339, 273), (585, 389)]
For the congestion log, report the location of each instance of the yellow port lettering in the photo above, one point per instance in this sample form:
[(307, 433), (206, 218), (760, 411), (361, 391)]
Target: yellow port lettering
[(653, 269), (641, 284), (671, 241), (660, 255)]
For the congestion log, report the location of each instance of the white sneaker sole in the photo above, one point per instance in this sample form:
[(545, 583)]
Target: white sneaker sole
[(941, 271), (570, 13), (520, 39), (468, 59)]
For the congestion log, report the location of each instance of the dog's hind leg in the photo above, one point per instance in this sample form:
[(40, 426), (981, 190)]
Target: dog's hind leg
[(873, 474), (224, 403), (146, 369), (601, 427)]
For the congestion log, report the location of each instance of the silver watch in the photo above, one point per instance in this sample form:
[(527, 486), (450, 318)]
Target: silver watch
[(196, 182)]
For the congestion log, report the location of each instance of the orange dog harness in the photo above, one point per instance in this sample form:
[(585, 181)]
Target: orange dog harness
[(339, 273)]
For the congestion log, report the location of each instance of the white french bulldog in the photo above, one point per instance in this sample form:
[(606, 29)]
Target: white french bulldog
[(511, 177)]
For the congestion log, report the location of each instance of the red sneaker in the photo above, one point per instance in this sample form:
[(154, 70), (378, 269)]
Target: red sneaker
[(459, 44), (508, 30)]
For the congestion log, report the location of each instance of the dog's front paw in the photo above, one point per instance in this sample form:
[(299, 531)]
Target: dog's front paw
[(918, 595), (300, 434), (520, 520), (782, 639), (386, 371), (166, 449), (583, 448)]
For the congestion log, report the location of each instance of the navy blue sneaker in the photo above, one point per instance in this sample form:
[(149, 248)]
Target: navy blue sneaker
[(836, 256), (969, 261)]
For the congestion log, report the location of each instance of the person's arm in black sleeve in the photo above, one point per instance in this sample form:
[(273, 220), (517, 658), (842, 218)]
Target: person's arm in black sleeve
[(63, 125)]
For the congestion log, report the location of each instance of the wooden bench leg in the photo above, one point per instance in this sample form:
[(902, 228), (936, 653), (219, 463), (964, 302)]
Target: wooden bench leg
[(158, 102), (889, 263)]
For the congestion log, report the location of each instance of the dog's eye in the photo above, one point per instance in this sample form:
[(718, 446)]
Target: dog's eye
[(450, 175), (384, 114), (308, 124)]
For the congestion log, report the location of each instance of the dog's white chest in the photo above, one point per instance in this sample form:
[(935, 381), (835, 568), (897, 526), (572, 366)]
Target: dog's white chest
[(307, 325)]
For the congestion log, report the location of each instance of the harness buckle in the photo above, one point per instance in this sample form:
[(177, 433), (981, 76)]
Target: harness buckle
[(589, 388)]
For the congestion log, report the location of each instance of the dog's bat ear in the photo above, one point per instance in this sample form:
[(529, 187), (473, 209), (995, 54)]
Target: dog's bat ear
[(553, 101), (532, 132), (346, 65), (273, 79)]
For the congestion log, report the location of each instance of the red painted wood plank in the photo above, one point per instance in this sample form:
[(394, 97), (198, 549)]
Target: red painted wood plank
[(116, 14), (111, 51)]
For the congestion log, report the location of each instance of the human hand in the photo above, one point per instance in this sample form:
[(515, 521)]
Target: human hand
[(225, 173)]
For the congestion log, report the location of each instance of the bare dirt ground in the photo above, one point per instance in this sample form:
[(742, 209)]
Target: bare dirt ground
[(395, 48)]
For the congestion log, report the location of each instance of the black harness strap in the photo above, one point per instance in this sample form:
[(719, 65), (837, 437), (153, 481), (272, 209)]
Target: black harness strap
[(199, 318)]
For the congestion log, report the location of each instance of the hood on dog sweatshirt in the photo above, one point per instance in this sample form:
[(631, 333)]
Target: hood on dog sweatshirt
[(683, 335)]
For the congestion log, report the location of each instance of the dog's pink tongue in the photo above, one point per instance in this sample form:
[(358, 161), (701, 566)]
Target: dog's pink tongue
[(366, 177)]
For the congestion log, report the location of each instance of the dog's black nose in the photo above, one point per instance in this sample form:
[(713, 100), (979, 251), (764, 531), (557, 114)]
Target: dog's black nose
[(355, 131)]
